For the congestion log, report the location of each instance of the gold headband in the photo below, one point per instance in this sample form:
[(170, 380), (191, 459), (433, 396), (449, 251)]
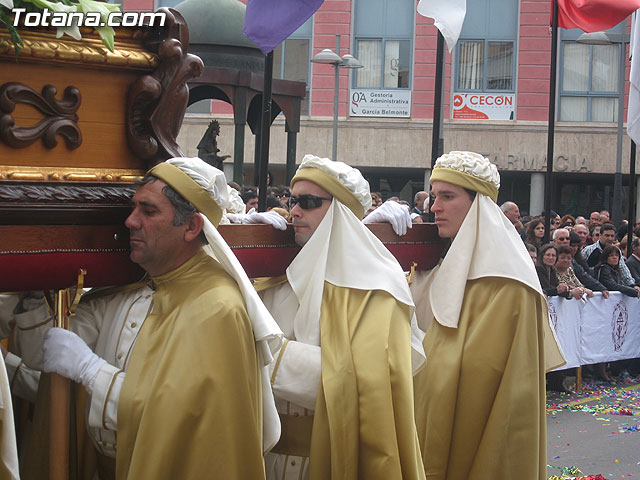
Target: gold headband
[(464, 180), (189, 189), (333, 186)]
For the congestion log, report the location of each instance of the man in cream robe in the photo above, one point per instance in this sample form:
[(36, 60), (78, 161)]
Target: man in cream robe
[(342, 379), (176, 367), (480, 400)]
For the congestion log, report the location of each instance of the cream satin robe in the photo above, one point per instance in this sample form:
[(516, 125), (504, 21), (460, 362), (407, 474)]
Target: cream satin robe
[(109, 325)]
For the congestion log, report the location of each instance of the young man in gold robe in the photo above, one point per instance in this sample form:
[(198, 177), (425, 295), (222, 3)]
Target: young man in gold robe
[(480, 400), (343, 377), (175, 367)]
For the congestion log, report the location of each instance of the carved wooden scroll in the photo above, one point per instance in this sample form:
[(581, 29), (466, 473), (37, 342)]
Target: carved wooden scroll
[(157, 102), (60, 116)]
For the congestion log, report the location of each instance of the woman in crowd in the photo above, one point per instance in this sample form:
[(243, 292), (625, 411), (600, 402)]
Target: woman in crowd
[(547, 256), (535, 232), (567, 221), (582, 271), (565, 273), (607, 272)]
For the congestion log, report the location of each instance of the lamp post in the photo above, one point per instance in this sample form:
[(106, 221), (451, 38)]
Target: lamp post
[(604, 38), (329, 57)]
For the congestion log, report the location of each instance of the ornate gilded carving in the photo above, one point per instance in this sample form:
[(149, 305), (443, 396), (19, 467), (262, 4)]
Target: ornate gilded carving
[(68, 174), (42, 45), (60, 117), (39, 194), (157, 102)]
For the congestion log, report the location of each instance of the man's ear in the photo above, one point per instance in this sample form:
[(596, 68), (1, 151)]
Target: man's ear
[(194, 226)]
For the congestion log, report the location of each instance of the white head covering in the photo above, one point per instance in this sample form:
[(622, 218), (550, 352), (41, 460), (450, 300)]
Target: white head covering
[(180, 174), (343, 252), (484, 229), (486, 245)]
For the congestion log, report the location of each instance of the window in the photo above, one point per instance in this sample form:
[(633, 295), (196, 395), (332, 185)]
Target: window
[(384, 32), (390, 70), (291, 59), (589, 82), (485, 53), (485, 65)]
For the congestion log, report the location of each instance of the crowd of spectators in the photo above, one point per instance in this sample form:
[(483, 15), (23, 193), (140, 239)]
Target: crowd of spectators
[(583, 256)]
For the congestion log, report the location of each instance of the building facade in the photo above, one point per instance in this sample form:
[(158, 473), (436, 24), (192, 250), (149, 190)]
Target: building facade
[(496, 96)]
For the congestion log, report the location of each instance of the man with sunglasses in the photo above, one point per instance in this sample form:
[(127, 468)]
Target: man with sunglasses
[(343, 377)]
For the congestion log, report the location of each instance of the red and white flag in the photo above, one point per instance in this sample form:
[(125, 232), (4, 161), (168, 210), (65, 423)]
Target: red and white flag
[(448, 16), (594, 15)]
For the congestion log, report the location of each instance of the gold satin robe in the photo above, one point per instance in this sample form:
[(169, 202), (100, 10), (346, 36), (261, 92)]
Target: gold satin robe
[(363, 426), (480, 400), (190, 407)]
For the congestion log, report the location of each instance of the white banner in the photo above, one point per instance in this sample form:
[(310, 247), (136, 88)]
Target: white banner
[(610, 329), (598, 329), (565, 321)]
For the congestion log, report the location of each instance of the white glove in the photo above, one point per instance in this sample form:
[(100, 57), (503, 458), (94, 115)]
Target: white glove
[(67, 354), (391, 212), (235, 217), (269, 218)]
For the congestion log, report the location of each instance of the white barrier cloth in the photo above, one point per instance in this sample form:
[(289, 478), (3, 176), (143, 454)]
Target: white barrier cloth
[(598, 329), (565, 320), (610, 329)]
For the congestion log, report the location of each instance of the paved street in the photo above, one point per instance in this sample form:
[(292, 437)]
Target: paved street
[(597, 431)]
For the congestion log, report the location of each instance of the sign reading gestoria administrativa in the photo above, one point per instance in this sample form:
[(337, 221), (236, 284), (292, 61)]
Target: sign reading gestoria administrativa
[(380, 103)]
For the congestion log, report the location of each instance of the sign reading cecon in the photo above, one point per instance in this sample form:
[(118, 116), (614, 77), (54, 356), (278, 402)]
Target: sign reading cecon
[(484, 106)]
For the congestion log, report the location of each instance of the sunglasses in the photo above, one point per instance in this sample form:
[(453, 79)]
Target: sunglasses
[(307, 202)]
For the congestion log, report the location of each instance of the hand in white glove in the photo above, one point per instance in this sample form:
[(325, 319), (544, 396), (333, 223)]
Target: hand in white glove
[(269, 218), (67, 354), (391, 212), (235, 217)]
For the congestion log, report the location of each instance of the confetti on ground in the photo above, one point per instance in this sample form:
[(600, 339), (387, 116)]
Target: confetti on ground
[(600, 399), (610, 403)]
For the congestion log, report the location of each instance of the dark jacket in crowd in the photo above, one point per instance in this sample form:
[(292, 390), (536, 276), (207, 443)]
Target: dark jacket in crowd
[(585, 277), (634, 267), (549, 282), (610, 278)]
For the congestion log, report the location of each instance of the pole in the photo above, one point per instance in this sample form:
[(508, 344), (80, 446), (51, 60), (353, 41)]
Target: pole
[(59, 405), (548, 184), (632, 191), (436, 133), (336, 95), (265, 127), (616, 211), (437, 143)]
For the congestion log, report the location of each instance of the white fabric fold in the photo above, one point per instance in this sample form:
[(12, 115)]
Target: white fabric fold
[(633, 116), (9, 451), (343, 252), (448, 16), (266, 332)]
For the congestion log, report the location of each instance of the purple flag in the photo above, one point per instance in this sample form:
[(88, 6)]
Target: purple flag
[(268, 23)]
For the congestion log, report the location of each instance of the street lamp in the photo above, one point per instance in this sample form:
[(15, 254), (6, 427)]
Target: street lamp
[(329, 57), (604, 38)]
